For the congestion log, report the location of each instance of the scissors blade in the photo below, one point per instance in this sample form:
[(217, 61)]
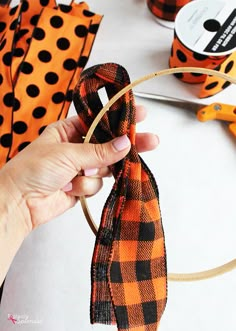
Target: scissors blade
[(176, 102), (218, 111)]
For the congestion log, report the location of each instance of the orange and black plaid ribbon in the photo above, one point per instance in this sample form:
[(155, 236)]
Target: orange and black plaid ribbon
[(166, 9), (129, 282)]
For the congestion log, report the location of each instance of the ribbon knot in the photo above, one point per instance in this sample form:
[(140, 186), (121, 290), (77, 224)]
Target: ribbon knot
[(129, 283)]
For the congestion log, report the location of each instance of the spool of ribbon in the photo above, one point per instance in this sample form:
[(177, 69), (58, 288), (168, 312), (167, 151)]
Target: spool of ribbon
[(166, 9), (182, 56), (215, 54), (43, 49)]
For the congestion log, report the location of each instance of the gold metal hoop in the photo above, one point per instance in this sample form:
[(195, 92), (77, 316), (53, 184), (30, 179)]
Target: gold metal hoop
[(180, 277)]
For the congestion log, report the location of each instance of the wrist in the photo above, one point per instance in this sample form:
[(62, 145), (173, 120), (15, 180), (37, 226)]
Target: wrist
[(13, 206), (13, 223)]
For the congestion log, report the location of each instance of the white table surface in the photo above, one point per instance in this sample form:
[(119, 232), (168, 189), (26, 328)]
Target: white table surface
[(49, 280)]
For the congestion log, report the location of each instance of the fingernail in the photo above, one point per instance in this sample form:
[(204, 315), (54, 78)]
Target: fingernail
[(90, 172), (157, 139), (121, 143), (68, 187)]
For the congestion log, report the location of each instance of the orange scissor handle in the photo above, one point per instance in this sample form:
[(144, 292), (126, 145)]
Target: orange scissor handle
[(232, 129), (217, 111)]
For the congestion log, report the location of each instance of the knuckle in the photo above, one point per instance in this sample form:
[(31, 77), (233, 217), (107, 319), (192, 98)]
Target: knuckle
[(56, 130), (101, 153), (89, 186)]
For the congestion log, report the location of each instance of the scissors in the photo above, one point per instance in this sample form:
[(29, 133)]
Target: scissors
[(214, 111)]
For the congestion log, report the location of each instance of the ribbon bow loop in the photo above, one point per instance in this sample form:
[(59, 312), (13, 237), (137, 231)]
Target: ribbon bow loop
[(110, 79)]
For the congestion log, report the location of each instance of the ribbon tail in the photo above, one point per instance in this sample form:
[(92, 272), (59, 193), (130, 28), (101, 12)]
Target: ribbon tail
[(138, 269)]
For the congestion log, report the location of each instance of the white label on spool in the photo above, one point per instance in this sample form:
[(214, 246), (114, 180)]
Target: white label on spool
[(207, 27)]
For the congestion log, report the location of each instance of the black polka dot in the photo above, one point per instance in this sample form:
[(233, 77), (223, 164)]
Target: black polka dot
[(13, 25), (34, 20), (19, 127), (51, 78), (44, 2), (179, 75), (32, 90), (16, 104), (39, 112), (1, 79), (229, 66), (6, 140), (58, 97), (28, 41), (18, 52), (23, 145), (65, 8), (63, 43), (225, 85), (1, 119), (181, 56), (2, 26), (44, 56), (42, 129), (93, 28), (69, 95), (211, 86), (56, 22), (25, 6), (199, 57), (88, 13), (3, 43), (26, 68), (81, 31), (69, 64), (8, 99), (82, 61), (7, 58), (13, 10), (39, 34)]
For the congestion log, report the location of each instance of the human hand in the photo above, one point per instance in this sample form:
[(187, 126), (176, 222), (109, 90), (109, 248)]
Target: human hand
[(51, 173)]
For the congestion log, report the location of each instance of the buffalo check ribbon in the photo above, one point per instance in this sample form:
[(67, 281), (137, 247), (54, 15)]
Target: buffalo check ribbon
[(129, 276)]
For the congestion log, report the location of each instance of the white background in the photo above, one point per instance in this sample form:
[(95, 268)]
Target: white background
[(194, 166)]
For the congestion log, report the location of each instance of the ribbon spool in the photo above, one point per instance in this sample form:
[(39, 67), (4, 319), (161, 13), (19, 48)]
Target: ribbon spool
[(181, 277), (205, 37), (166, 9)]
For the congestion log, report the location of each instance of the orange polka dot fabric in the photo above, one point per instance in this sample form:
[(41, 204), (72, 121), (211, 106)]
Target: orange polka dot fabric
[(44, 46), (181, 56)]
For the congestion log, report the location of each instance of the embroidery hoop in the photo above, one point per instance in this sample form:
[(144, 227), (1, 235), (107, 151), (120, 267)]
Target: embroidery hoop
[(180, 277)]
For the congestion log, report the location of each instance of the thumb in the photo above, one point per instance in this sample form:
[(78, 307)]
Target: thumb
[(88, 156)]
